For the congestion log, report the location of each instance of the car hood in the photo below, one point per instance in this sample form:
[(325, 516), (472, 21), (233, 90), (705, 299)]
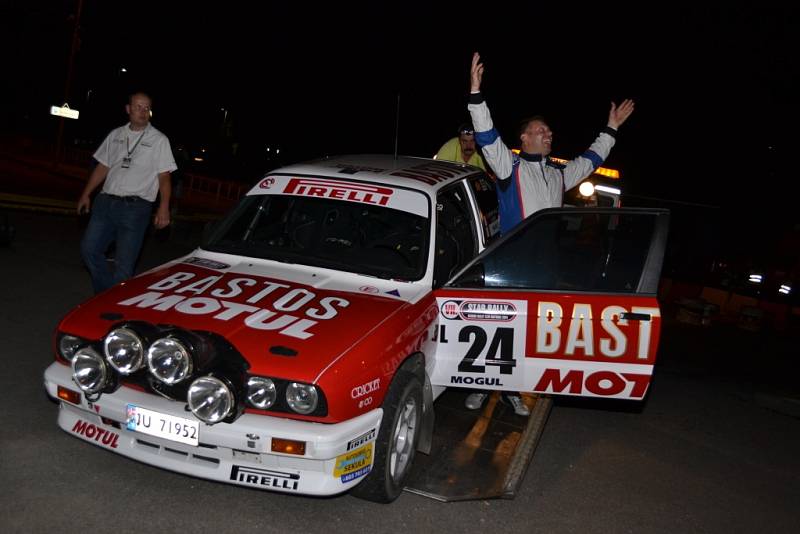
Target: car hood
[(287, 321)]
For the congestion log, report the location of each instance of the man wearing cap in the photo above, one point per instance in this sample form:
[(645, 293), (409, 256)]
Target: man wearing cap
[(462, 149)]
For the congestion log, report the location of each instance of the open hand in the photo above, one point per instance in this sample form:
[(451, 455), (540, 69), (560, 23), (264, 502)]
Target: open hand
[(620, 114), (476, 73)]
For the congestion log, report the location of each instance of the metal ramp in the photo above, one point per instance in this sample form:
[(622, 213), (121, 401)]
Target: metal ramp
[(480, 454)]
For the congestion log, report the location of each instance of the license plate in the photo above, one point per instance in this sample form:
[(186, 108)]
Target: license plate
[(162, 425)]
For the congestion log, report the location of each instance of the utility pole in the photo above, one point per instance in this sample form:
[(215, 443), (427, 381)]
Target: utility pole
[(397, 126), (68, 85)]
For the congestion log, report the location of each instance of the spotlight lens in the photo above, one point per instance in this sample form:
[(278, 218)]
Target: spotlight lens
[(124, 350), (68, 345), (169, 360), (261, 392), (302, 398), (210, 399), (89, 370)]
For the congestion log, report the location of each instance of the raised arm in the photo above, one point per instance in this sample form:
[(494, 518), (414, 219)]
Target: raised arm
[(585, 164), (497, 154)]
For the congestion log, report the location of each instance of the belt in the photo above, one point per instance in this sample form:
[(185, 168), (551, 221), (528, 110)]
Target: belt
[(128, 198)]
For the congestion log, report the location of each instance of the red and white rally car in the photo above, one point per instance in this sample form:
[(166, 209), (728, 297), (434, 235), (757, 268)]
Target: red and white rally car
[(300, 349)]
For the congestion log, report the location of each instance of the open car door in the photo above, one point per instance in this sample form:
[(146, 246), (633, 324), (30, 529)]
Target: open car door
[(563, 304)]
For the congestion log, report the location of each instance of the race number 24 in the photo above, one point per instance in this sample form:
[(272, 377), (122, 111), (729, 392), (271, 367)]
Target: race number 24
[(500, 352)]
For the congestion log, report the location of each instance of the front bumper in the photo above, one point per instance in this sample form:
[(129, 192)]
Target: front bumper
[(236, 453)]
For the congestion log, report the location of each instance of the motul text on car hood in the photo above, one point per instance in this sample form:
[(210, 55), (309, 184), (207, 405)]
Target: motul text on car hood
[(286, 322)]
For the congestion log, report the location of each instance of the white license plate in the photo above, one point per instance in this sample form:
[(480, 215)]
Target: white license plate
[(162, 425)]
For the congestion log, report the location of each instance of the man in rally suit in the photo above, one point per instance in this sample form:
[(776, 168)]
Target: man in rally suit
[(530, 181)]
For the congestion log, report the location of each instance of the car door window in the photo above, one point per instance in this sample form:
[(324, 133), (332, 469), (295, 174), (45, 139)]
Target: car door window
[(456, 242), (485, 196), (597, 250)]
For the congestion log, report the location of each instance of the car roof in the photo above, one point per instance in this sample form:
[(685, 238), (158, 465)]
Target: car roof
[(422, 174)]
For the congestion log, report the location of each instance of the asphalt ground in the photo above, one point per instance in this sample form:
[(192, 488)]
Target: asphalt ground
[(715, 447)]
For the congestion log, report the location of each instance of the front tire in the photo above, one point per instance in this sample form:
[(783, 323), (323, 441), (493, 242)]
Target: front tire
[(397, 441)]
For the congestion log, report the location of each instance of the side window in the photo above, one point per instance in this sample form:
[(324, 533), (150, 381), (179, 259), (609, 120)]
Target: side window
[(455, 234), (484, 190), (572, 250)]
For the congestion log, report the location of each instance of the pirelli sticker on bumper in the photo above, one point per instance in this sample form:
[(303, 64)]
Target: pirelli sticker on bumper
[(354, 464), (265, 478), (360, 440)]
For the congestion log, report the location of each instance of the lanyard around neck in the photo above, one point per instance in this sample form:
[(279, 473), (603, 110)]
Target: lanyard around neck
[(128, 142)]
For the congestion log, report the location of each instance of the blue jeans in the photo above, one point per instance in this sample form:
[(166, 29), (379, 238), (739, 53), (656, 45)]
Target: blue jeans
[(120, 219)]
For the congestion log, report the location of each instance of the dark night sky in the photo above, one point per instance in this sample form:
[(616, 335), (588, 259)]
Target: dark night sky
[(715, 87)]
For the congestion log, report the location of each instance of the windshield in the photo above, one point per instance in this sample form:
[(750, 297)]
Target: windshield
[(324, 232)]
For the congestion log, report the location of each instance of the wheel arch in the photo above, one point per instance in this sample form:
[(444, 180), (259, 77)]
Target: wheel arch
[(415, 364)]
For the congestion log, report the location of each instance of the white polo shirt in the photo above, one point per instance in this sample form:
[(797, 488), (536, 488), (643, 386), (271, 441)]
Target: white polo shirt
[(150, 154)]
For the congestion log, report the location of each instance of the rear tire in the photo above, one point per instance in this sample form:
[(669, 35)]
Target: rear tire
[(397, 441)]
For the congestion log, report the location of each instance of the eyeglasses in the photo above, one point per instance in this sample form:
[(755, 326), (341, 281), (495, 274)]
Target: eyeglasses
[(466, 131)]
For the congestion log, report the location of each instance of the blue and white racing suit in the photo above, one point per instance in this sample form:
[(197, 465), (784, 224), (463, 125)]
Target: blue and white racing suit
[(527, 183)]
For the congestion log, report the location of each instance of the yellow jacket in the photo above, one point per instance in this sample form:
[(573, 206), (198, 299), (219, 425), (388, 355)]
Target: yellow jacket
[(451, 151)]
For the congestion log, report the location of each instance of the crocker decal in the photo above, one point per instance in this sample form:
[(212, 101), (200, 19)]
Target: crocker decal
[(365, 389), (96, 433), (180, 292), (265, 478), (349, 191)]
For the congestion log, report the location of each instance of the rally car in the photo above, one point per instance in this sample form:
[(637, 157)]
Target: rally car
[(301, 347)]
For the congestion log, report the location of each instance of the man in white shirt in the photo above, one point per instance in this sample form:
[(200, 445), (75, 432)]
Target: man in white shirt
[(134, 163)]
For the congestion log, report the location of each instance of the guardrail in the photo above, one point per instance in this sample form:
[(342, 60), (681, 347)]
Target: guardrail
[(193, 191)]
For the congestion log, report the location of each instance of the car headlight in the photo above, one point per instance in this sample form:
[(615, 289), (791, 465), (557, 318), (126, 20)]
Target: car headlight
[(210, 399), (261, 392), (169, 360), (89, 370), (68, 345), (124, 350), (302, 398)]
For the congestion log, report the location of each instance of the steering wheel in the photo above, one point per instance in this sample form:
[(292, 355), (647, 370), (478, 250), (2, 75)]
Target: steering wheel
[(393, 242), (397, 249)]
